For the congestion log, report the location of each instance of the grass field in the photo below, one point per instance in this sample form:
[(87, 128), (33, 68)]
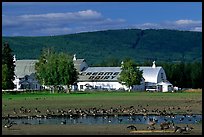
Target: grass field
[(184, 101)]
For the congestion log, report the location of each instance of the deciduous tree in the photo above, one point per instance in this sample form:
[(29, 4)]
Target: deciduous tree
[(130, 74), (55, 69)]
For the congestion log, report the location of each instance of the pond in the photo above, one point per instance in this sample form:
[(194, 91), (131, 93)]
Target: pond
[(90, 120)]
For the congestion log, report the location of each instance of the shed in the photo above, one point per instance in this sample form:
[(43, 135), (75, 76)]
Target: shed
[(165, 86)]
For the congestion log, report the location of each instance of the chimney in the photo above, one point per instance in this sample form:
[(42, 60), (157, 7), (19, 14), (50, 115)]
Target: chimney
[(154, 65), (122, 64), (14, 58), (74, 57)]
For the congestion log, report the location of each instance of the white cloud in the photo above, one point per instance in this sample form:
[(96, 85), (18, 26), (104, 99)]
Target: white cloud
[(187, 22), (199, 29), (69, 16), (58, 22), (81, 21), (189, 25)]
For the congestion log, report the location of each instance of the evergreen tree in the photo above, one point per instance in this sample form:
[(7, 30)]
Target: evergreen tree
[(7, 60), (130, 74)]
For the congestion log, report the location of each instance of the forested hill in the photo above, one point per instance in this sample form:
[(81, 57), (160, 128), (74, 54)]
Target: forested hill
[(95, 47)]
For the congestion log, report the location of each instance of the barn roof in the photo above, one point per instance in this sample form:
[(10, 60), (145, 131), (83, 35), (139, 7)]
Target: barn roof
[(104, 69), (164, 83), (100, 74), (150, 74), (77, 63), (24, 67)]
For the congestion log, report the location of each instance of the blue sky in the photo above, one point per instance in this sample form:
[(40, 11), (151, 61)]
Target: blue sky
[(56, 18)]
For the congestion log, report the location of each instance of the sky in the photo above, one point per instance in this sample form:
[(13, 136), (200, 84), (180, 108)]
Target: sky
[(59, 18)]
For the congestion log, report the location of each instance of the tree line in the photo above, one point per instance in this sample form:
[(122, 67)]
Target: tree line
[(183, 74)]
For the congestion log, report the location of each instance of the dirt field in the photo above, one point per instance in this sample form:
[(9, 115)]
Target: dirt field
[(86, 130)]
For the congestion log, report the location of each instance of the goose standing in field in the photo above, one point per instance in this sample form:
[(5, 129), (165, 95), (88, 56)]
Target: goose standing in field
[(14, 111), (37, 111), (132, 127), (9, 124), (151, 124), (165, 125), (48, 110), (186, 129)]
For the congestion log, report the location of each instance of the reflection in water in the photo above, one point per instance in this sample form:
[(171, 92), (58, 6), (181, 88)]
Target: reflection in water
[(90, 120)]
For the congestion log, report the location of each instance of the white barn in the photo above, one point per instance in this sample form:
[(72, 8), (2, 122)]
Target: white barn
[(102, 78), (25, 75), (106, 77)]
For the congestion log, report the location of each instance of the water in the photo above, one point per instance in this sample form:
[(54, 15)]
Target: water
[(90, 120)]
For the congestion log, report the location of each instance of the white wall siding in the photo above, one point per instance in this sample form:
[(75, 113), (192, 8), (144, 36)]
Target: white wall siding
[(161, 76), (108, 85)]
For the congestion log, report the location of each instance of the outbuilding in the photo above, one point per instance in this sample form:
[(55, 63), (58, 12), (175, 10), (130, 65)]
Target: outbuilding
[(165, 86)]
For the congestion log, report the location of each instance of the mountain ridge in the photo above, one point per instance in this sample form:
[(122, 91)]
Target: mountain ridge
[(95, 47)]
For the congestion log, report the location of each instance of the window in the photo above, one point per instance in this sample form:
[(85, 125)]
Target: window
[(88, 73), (101, 73), (97, 77), (91, 77), (162, 76), (116, 73), (81, 86), (95, 73)]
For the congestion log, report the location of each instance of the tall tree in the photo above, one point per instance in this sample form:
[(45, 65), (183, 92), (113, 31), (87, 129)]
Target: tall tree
[(130, 74), (56, 69), (7, 59)]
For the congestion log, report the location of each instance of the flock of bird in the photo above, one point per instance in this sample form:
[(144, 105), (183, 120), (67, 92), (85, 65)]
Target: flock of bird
[(141, 110), (165, 126), (118, 111)]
